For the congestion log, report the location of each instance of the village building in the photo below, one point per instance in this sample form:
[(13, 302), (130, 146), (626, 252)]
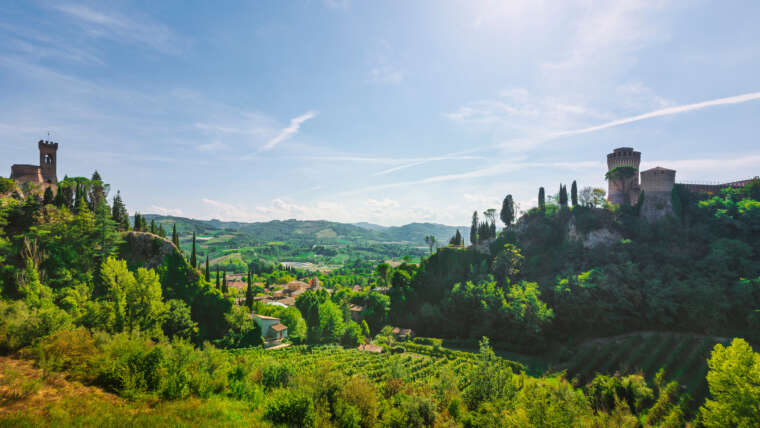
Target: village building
[(375, 349), (356, 312), (272, 330), (403, 333)]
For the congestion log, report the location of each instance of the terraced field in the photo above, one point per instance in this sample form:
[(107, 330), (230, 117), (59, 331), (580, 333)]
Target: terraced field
[(683, 356)]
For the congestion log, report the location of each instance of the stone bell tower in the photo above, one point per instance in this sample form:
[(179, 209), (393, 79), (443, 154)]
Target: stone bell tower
[(48, 161)]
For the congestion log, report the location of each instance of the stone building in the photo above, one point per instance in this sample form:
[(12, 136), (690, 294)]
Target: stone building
[(655, 187), (44, 173)]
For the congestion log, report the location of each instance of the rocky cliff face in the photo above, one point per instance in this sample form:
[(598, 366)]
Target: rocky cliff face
[(594, 238)]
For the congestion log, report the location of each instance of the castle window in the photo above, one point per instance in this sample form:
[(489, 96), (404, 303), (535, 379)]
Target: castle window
[(48, 160)]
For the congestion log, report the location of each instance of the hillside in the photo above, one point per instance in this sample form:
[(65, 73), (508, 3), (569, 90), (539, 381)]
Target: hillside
[(316, 230)]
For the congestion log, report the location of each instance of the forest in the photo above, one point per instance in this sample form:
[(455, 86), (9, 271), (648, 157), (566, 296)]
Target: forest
[(92, 300)]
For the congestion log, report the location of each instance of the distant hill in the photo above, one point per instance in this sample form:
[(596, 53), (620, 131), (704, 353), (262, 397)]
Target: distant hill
[(317, 230)]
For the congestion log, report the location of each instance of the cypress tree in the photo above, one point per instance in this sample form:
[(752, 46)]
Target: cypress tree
[(474, 228), (175, 237), (48, 198), (507, 210), (78, 198), (161, 231), (541, 199), (59, 200), (193, 260), (249, 293), (138, 222), (563, 196), (208, 273), (218, 285), (574, 194), (225, 289), (153, 226)]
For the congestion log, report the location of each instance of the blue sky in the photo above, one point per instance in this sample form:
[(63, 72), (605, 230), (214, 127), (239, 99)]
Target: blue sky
[(388, 112)]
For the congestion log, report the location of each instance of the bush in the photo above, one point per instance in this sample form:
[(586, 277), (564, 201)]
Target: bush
[(291, 408), (276, 376), (7, 185)]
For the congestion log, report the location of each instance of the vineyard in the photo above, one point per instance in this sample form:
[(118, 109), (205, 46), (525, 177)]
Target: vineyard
[(683, 356), (412, 367)]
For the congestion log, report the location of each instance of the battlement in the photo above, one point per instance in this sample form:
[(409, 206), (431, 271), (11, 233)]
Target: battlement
[(657, 179), (44, 144)]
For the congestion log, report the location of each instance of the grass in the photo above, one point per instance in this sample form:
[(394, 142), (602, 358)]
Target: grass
[(31, 399)]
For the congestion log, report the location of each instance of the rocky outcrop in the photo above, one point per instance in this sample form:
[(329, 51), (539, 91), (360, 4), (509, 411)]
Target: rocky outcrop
[(593, 238), (146, 249)]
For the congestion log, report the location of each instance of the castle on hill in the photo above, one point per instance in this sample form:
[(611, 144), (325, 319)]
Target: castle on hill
[(656, 184), (43, 174)]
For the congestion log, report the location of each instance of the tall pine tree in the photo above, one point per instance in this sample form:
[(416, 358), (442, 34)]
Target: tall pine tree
[(208, 272), (175, 236), (119, 213), (574, 194)]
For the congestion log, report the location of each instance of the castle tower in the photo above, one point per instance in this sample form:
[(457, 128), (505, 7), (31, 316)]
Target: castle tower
[(623, 156), (48, 161), (656, 185)]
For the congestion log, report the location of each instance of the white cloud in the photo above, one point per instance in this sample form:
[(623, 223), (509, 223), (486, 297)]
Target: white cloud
[(155, 209), (605, 36), (225, 211), (289, 131), (717, 169)]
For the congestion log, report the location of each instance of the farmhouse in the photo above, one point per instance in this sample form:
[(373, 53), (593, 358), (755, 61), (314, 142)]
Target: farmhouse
[(356, 312), (272, 330)]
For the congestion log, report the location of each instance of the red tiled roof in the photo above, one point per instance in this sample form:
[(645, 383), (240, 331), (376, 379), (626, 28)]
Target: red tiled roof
[(279, 327), (371, 348)]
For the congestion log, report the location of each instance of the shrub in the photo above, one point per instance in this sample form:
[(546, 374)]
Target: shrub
[(291, 408), (276, 376), (362, 395), (69, 350)]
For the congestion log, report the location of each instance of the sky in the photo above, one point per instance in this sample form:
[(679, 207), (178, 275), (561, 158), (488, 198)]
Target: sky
[(387, 112)]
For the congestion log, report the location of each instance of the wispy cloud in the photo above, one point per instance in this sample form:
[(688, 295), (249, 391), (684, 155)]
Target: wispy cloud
[(531, 141), (386, 74), (212, 146), (125, 29), (738, 99), (289, 131)]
